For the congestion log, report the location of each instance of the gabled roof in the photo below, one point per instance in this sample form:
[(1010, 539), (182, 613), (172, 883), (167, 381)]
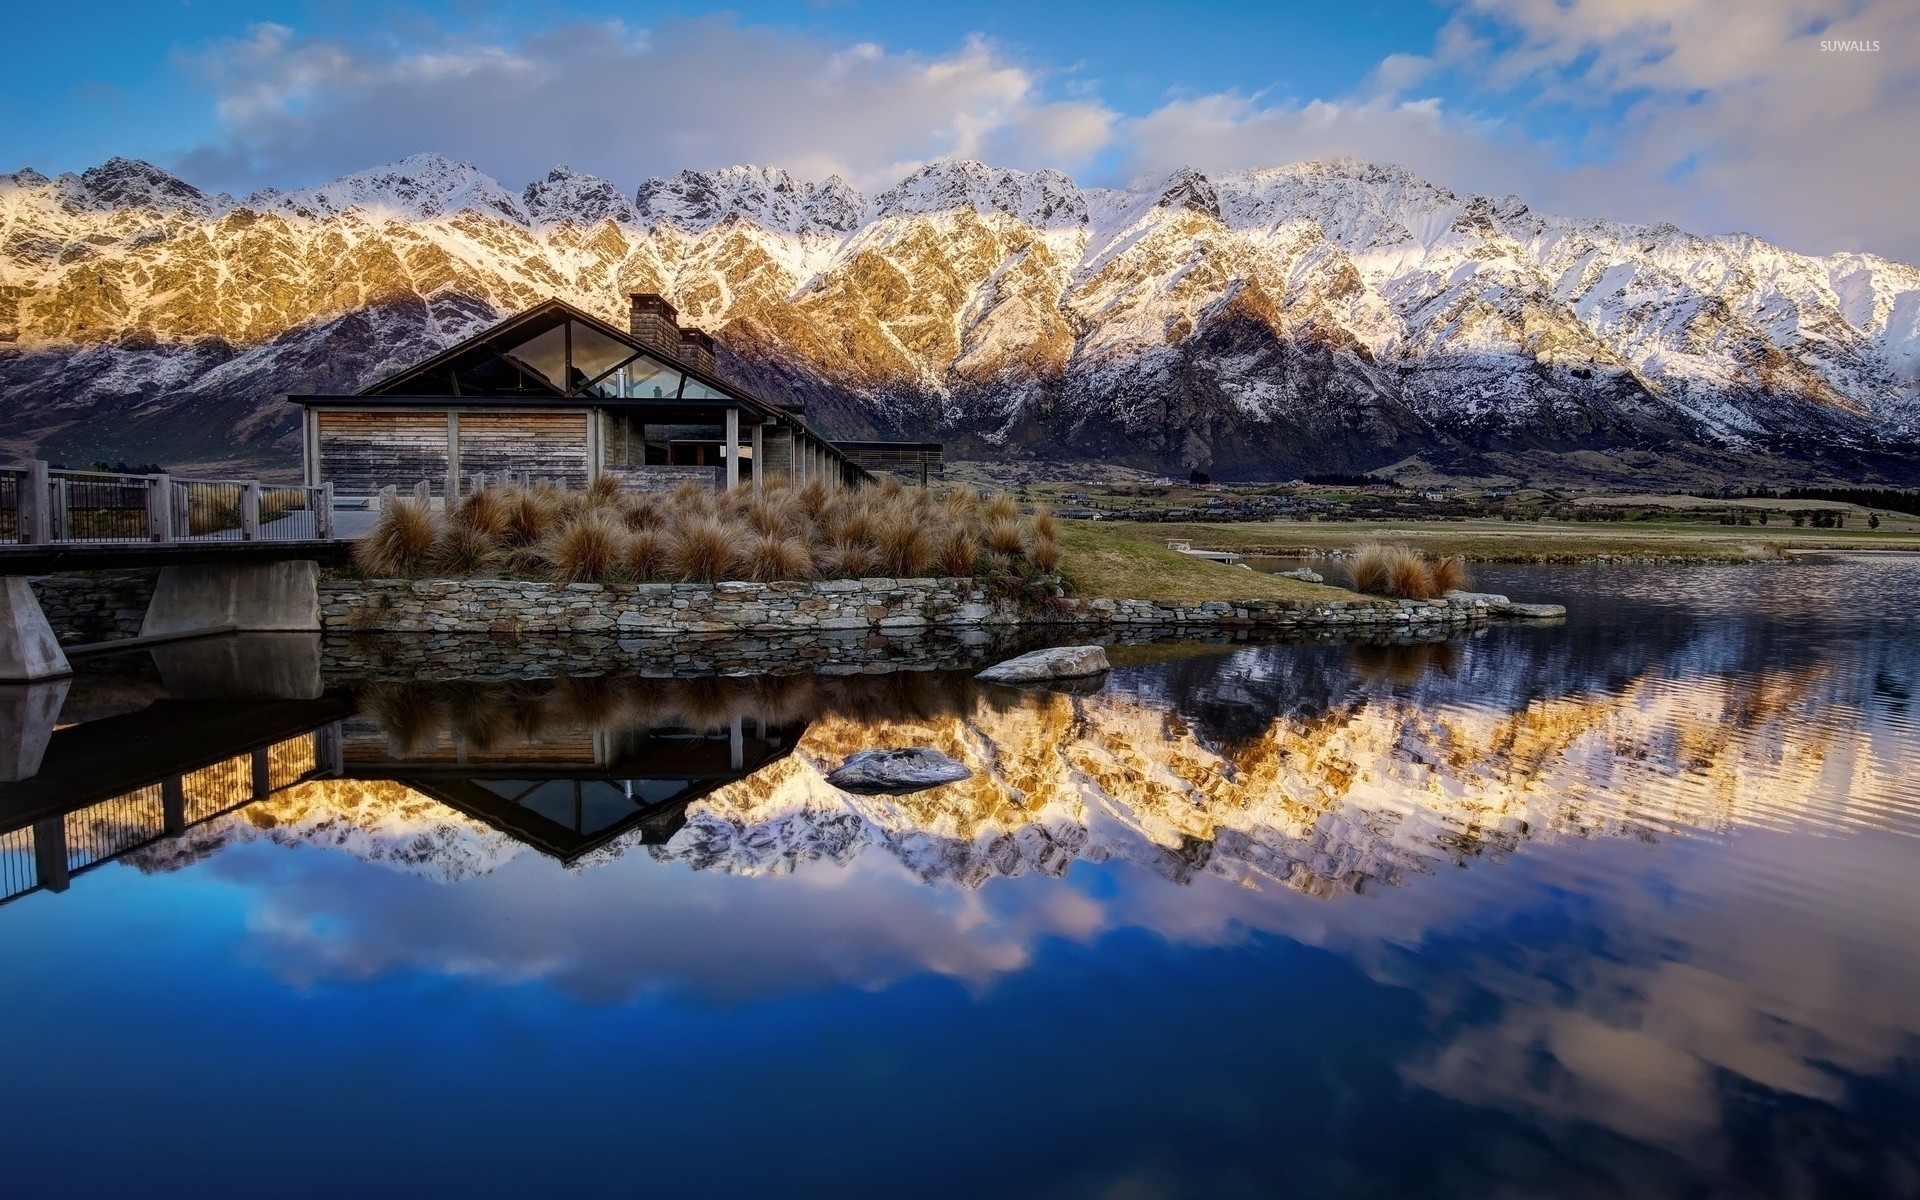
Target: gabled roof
[(500, 352)]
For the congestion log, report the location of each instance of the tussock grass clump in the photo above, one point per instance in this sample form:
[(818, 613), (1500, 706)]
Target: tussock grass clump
[(1391, 570), (1449, 574), (647, 555), (589, 549), (695, 534), (400, 541), (774, 556), (705, 549), (463, 550)]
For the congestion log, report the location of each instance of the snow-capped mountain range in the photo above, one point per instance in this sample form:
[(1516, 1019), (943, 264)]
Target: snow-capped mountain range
[(1320, 316)]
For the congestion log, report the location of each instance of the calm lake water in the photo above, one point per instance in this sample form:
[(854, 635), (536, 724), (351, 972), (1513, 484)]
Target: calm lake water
[(1625, 906)]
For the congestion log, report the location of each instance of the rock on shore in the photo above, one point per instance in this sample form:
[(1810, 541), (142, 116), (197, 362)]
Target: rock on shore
[(1060, 662)]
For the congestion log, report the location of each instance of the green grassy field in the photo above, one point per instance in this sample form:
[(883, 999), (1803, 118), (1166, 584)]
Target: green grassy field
[(1124, 563), (1521, 541)]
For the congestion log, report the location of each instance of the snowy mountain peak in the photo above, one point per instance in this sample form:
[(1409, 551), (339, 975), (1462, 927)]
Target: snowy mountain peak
[(420, 186), (1043, 199), (568, 195), (1191, 190), (128, 183), (695, 201)]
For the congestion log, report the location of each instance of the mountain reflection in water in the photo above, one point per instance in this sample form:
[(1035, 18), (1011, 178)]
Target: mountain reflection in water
[(1626, 906)]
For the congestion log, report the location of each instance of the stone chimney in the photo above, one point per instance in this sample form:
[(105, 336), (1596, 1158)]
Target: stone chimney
[(696, 349), (651, 322)]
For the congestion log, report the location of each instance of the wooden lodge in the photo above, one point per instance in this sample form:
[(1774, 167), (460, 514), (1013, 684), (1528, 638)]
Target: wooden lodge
[(554, 393)]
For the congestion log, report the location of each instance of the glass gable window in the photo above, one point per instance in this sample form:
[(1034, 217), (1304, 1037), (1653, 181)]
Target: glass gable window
[(699, 391), (595, 354), (545, 355), (650, 379)]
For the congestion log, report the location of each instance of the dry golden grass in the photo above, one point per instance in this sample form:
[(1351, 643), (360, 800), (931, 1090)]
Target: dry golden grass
[(400, 541), (1394, 570), (589, 549), (696, 534)]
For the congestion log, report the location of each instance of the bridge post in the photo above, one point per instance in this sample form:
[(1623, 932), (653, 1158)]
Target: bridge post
[(28, 649), (160, 507), (50, 853), (35, 529), (61, 514), (262, 774), (250, 512), (323, 516), (173, 806)]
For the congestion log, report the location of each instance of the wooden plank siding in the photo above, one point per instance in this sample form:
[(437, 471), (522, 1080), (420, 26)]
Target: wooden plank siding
[(546, 445), (362, 452)]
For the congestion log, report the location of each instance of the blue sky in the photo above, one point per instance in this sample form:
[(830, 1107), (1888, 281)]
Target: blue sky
[(1719, 116)]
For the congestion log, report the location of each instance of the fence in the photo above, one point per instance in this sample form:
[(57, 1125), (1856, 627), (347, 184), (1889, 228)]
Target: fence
[(49, 852), (40, 505)]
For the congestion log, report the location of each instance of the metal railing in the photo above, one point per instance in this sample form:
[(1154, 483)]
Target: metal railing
[(41, 505), (48, 853)]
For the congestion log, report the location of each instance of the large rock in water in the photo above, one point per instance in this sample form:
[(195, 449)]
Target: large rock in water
[(896, 771), (1061, 662)]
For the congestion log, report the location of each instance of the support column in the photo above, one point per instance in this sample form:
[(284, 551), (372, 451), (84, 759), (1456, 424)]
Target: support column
[(28, 649), (733, 448), (759, 456), (246, 596), (50, 853), (453, 459), (173, 806), (736, 746), (28, 713), (262, 774)]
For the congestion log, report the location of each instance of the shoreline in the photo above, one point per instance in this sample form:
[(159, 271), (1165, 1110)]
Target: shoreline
[(514, 608)]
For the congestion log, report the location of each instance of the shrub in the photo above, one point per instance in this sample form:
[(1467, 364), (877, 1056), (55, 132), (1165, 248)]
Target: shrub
[(904, 546), (774, 556), (958, 551), (1046, 554), (486, 512), (400, 541), (647, 551), (848, 560), (1045, 526), (463, 550), (1449, 574), (1383, 570), (702, 549), (590, 549), (1408, 578), (531, 513), (1002, 508), (1004, 536)]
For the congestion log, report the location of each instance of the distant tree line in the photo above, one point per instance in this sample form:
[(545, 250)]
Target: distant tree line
[(1343, 479), (1894, 499)]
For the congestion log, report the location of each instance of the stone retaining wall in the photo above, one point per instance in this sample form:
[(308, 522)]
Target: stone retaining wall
[(95, 608), (514, 608)]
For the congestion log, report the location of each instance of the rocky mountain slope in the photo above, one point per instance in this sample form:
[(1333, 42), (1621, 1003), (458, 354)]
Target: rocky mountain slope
[(1321, 316)]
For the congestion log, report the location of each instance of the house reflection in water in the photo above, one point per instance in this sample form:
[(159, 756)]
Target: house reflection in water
[(568, 792), (563, 768)]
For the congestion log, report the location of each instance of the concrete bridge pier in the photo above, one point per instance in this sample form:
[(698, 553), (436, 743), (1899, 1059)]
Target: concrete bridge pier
[(250, 597), (28, 713), (28, 649)]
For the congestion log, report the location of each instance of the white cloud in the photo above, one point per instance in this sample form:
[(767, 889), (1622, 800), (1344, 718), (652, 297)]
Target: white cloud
[(1678, 110), (627, 104)]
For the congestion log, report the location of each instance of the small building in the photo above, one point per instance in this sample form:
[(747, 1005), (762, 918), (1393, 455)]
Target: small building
[(555, 393), (914, 462)]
